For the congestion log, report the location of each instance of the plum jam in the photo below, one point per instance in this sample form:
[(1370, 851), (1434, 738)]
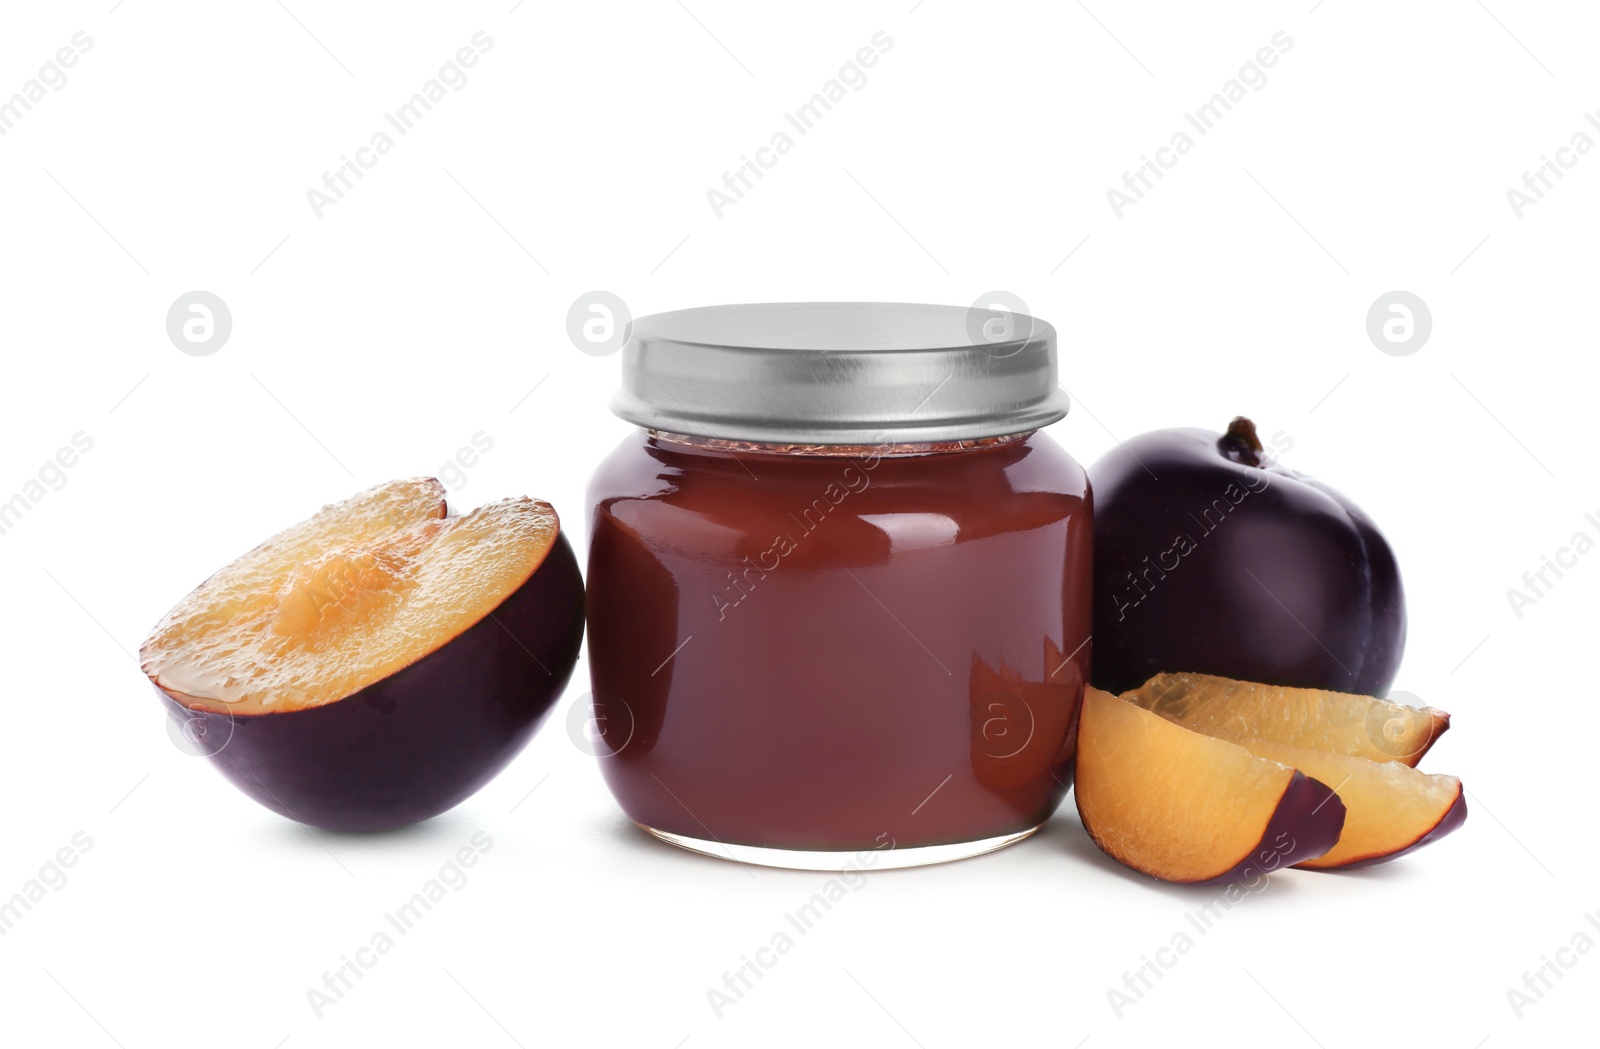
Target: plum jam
[(825, 618)]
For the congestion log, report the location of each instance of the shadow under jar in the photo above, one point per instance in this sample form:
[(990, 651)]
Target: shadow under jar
[(839, 585)]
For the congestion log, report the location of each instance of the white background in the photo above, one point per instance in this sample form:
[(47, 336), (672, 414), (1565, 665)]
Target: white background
[(376, 340)]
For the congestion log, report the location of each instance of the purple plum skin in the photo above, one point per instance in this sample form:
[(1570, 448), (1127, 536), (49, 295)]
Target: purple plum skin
[(1306, 824), (427, 737), (1254, 572), (1452, 821)]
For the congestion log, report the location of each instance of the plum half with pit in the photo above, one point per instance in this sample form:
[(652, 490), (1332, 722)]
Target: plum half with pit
[(377, 664), (1211, 557)]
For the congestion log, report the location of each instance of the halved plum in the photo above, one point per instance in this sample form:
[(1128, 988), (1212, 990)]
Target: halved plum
[(378, 663), (1185, 807)]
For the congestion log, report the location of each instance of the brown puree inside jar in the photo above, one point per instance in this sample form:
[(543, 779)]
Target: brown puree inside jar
[(838, 647)]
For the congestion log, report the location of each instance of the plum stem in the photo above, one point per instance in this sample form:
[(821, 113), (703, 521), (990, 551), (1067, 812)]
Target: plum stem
[(1241, 443)]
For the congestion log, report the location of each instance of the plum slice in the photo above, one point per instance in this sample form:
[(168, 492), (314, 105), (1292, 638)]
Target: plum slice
[(1187, 807), (1391, 808), (379, 662), (1335, 722)]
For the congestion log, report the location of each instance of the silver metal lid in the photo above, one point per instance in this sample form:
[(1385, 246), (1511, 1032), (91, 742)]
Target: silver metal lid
[(840, 373)]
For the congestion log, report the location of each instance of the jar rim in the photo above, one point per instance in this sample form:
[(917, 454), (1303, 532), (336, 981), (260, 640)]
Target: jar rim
[(884, 449)]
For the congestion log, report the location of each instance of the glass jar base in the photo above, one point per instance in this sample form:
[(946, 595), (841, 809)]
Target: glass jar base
[(825, 860)]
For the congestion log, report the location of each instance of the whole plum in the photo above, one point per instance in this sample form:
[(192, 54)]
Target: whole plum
[(1210, 557)]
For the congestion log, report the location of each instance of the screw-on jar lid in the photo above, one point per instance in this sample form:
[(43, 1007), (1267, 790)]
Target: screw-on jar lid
[(840, 373)]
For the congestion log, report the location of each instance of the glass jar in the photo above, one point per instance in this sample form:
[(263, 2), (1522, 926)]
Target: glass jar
[(838, 584)]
